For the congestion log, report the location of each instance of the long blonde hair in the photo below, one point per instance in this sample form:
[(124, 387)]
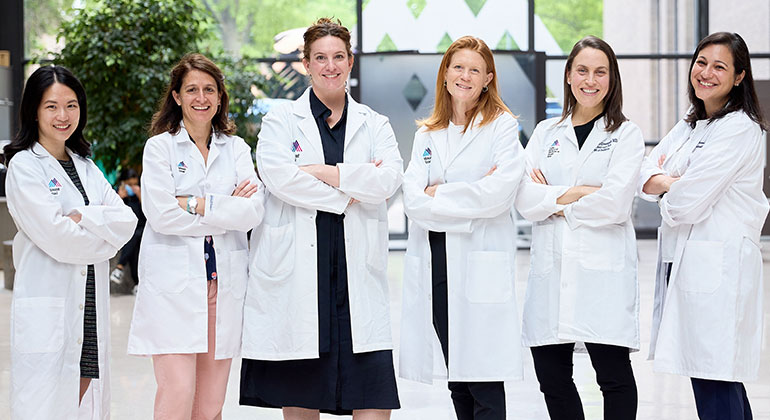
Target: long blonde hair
[(489, 104)]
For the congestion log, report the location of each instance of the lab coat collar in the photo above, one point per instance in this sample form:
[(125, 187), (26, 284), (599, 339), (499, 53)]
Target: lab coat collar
[(439, 138), (565, 126), (183, 137), (301, 107), (596, 136), (80, 163)]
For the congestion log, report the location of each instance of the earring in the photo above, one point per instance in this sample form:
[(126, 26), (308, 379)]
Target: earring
[(484, 89), (444, 83)]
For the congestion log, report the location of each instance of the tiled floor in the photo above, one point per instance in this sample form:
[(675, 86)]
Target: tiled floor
[(661, 397)]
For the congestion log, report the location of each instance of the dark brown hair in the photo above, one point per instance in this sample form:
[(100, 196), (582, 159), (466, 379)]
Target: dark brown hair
[(169, 114), (326, 27), (489, 104), (742, 97), (613, 101)]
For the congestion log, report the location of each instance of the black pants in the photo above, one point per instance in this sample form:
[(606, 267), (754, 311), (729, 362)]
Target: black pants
[(720, 400), (553, 367), (129, 254), (472, 400)]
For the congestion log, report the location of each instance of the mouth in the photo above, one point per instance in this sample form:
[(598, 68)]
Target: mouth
[(201, 108), (331, 76), (62, 127), (706, 84), (463, 87), (589, 91)]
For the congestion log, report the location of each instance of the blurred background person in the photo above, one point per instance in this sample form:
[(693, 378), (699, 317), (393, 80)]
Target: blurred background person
[(131, 193)]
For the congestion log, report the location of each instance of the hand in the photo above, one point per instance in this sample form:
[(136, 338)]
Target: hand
[(245, 189), (538, 177), (377, 163), (576, 193), (137, 191), (559, 213), (431, 190), (661, 159), (352, 201), (659, 184), (76, 217), (122, 190), (491, 171)]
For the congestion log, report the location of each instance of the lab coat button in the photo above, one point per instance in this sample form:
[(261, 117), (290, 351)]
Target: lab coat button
[(80, 341), (312, 245), (83, 272), (80, 306)]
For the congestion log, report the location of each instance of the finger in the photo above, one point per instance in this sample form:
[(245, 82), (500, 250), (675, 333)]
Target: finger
[(378, 163), (249, 191), (661, 159), (541, 176)]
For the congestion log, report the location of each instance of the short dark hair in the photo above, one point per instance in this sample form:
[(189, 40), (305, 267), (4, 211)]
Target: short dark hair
[(169, 115), (613, 102), (28, 134), (742, 97), (326, 27)]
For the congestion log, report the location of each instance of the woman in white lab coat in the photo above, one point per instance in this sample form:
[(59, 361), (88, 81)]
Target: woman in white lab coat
[(706, 174), (582, 286), (200, 195), (70, 222), (459, 266), (317, 331)]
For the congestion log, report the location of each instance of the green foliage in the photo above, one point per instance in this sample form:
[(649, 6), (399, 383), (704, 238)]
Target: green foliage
[(241, 78), (570, 20), (46, 14), (122, 51)]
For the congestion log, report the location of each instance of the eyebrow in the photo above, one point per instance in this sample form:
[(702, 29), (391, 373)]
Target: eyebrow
[(716, 61)]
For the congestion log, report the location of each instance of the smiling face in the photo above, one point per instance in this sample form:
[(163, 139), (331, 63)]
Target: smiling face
[(713, 76), (58, 116), (328, 65), (198, 97), (589, 79), (466, 76)]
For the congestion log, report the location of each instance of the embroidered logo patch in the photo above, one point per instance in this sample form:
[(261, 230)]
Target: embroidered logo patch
[(554, 149), (605, 145), (54, 186), (427, 155), (181, 167), (296, 149), (700, 144)]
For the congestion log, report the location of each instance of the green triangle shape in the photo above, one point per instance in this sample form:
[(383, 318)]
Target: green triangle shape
[(475, 5), (444, 44), (416, 6), (507, 42), (386, 44)]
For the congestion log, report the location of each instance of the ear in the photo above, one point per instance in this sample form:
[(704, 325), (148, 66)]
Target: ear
[(176, 98), (490, 76), (739, 78), (350, 62), (306, 63)]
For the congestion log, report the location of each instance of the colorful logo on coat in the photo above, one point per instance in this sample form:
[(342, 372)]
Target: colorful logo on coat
[(181, 167), (296, 149), (605, 145), (554, 149), (427, 155), (54, 186)]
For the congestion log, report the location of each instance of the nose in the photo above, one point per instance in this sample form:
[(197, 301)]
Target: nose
[(61, 113), (707, 72)]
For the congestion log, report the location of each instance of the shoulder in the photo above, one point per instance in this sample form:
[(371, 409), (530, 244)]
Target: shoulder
[(26, 159), (737, 124), (547, 124), (370, 115), (628, 128), (160, 139)]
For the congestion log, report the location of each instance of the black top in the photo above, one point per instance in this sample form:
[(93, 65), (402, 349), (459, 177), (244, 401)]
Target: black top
[(582, 131), (332, 138)]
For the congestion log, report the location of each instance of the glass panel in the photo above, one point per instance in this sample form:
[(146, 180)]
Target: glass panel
[(431, 26)]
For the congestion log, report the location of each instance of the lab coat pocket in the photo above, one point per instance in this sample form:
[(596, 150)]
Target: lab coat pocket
[(167, 272), (541, 249), (602, 248), (38, 324), (239, 272), (275, 252), (488, 278), (376, 239), (701, 268)]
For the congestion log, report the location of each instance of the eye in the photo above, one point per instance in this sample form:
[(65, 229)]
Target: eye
[(50, 107), (720, 67), (339, 57), (320, 58), (209, 89), (581, 71), (191, 90), (72, 106), (475, 71), (601, 72)]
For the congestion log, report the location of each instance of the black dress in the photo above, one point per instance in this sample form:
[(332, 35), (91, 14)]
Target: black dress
[(339, 381)]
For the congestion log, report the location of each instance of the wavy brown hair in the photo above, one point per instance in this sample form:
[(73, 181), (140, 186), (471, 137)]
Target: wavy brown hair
[(326, 27), (489, 104), (742, 97), (613, 102), (169, 114)]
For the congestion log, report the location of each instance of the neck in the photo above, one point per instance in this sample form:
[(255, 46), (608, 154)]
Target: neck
[(712, 107), (459, 112), (56, 149), (582, 115), (334, 100), (199, 132)]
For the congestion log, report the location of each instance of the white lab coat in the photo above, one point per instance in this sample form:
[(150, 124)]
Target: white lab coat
[(707, 323), (582, 283), (51, 254), (170, 312), (281, 317), (475, 212)]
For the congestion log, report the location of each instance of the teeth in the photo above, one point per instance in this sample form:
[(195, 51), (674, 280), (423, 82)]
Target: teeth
[(200, 108), (590, 90), (706, 83), (61, 127)]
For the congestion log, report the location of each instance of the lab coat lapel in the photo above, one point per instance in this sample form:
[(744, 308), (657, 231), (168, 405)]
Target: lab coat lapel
[(470, 134), (355, 120), (217, 141), (183, 138), (53, 163), (595, 137), (438, 146), (308, 126)]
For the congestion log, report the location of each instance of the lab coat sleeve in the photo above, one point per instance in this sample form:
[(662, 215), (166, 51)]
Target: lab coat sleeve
[(283, 177), (237, 213), (112, 221), (491, 195), (712, 171), (417, 204), (612, 203), (159, 202), (38, 214), (370, 184), (536, 202), (650, 166)]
